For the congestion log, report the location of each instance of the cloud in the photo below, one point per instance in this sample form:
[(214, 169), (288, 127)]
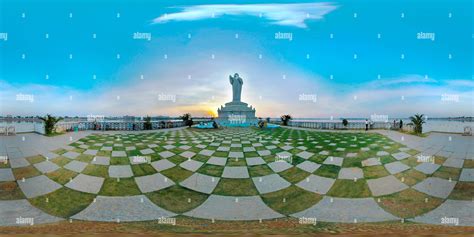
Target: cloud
[(279, 14)]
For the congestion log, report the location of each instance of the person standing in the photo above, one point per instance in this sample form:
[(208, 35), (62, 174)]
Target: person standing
[(366, 125), (401, 124)]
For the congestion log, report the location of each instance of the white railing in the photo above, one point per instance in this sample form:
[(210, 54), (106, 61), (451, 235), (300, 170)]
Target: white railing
[(339, 125)]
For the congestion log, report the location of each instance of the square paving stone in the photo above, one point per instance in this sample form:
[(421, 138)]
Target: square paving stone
[(427, 168), (382, 153), (18, 163), (161, 165), (185, 147), (76, 166), (119, 154), (236, 154), (169, 147), (351, 155), (396, 167), (38, 186), (351, 173), (101, 160), (453, 162), (191, 165), (365, 149), (279, 166), (187, 154), (305, 155), (217, 161), (333, 160), (206, 152), (371, 162), (120, 171), (287, 148), (46, 166), (255, 161), (385, 185), (249, 149), (264, 153), (400, 155), (147, 151), (6, 174), (309, 166), (223, 148), (201, 183), (130, 148), (90, 152), (71, 155), (270, 183), (467, 175), (235, 172), (106, 148), (316, 184), (153, 182), (86, 183), (435, 187), (166, 154)]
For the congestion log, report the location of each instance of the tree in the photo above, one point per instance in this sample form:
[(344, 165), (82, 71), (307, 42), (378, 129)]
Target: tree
[(49, 123), (418, 122), (285, 119), (147, 124), (188, 121), (345, 122)]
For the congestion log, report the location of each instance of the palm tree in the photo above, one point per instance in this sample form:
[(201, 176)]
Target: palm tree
[(285, 119), (49, 123), (418, 122)]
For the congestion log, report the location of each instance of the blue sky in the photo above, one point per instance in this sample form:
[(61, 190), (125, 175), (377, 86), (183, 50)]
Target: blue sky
[(196, 45)]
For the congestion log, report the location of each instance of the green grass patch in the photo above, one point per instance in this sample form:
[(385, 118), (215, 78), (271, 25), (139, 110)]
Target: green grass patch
[(60, 161), (291, 200), (463, 191), (328, 171), (62, 176), (259, 170), (97, 170), (236, 187), (119, 187), (177, 199), (409, 203), (177, 174), (63, 202), (25, 172), (350, 189), (143, 169), (119, 161), (177, 159), (10, 191), (447, 173), (468, 164), (236, 162), (35, 159), (411, 177), (85, 158), (294, 175), (212, 170), (374, 172)]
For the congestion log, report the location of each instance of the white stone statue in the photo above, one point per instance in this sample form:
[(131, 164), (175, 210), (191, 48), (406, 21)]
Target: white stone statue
[(236, 83)]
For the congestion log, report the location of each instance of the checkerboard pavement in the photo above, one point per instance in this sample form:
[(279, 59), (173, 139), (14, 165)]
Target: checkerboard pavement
[(262, 167)]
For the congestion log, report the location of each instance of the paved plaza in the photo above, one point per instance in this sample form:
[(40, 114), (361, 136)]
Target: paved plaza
[(237, 174)]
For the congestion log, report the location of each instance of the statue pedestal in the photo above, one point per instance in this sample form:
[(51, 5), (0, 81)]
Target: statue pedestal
[(236, 113)]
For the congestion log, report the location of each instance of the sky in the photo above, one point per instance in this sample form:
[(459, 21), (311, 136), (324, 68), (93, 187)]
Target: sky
[(348, 58)]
